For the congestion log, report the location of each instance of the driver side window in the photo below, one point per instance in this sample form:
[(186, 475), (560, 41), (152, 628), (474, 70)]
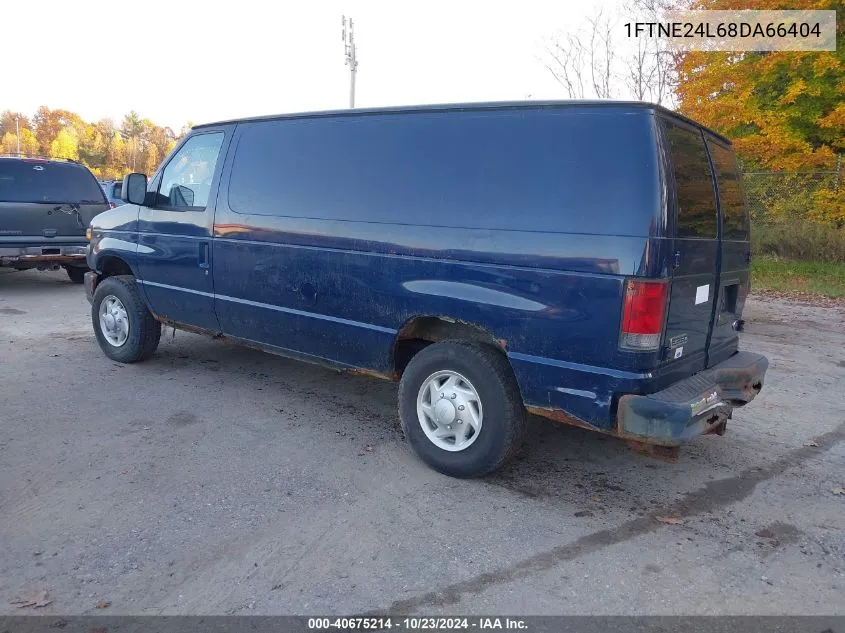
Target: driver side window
[(186, 181)]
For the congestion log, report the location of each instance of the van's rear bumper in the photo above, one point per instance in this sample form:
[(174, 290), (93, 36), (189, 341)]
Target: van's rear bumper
[(697, 405)]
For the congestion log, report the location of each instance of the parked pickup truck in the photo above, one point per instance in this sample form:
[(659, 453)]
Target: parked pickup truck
[(45, 206), (583, 261)]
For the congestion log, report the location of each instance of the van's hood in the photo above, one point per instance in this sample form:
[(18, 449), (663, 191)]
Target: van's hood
[(122, 218)]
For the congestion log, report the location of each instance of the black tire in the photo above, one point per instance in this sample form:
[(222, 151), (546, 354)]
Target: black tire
[(76, 273), (144, 330), (503, 414)]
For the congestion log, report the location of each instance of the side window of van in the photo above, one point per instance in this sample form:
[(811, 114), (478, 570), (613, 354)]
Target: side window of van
[(186, 181), (501, 170), (734, 217), (693, 183)]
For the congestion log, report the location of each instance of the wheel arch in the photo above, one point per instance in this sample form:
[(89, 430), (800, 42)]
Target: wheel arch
[(110, 264), (422, 330)]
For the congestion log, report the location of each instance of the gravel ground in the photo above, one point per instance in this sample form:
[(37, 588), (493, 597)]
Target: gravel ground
[(215, 479)]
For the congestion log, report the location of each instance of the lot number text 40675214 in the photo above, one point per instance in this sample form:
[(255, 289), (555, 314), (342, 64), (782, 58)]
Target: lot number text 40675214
[(416, 624)]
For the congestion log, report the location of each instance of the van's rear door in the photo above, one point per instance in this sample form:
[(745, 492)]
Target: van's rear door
[(695, 253), (734, 277)]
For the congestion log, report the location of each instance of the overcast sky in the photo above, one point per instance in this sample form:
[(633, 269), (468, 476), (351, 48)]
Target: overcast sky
[(183, 60)]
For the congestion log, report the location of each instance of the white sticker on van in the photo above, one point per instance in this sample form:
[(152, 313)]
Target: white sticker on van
[(702, 294), (679, 352)]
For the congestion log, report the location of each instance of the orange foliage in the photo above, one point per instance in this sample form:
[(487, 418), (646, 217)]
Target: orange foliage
[(784, 110)]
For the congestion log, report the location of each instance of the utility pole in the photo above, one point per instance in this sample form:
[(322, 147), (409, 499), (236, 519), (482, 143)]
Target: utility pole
[(351, 56), (18, 132)]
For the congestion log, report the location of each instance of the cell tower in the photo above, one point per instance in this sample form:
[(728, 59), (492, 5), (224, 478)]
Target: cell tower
[(351, 56)]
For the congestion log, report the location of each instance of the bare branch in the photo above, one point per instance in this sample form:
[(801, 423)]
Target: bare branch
[(564, 62), (586, 62), (650, 70), (580, 52)]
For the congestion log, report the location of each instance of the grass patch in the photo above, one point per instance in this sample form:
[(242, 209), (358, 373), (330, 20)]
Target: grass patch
[(825, 279), (799, 241)]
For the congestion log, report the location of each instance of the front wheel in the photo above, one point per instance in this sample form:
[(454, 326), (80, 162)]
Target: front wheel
[(124, 327), (76, 274), (461, 408)]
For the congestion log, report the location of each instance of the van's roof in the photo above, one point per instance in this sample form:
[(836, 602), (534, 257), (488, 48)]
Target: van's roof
[(491, 105)]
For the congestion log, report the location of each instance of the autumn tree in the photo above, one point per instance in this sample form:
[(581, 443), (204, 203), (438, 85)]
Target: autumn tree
[(92, 146), (110, 150), (65, 145), (133, 129), (29, 144), (163, 139), (11, 122), (151, 159), (48, 123), (783, 110), (8, 143), (116, 155), (106, 127)]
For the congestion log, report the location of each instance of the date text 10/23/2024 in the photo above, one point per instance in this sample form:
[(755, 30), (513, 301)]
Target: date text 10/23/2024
[(418, 623)]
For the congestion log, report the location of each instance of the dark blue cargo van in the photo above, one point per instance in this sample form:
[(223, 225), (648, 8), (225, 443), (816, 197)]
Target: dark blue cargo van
[(583, 261)]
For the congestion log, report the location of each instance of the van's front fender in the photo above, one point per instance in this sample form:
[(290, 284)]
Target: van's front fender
[(114, 233)]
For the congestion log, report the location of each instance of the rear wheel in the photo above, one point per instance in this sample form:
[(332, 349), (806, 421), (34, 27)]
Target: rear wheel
[(460, 408), (125, 329), (76, 274)]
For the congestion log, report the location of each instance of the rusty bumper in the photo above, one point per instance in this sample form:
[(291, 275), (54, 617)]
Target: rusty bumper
[(34, 256), (695, 406)]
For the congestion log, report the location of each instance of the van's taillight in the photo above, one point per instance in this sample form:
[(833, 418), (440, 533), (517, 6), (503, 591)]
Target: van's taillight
[(113, 205), (643, 314)]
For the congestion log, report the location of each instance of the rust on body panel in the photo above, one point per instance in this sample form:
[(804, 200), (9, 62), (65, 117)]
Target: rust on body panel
[(557, 415), (187, 328), (657, 451), (42, 258), (363, 371)]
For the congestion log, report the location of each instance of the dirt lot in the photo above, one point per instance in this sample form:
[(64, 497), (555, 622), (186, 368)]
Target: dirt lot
[(216, 479)]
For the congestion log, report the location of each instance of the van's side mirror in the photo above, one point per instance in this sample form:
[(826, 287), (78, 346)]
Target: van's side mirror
[(134, 188), (182, 196)]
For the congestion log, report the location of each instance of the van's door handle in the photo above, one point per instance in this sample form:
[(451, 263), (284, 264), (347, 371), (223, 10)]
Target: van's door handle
[(203, 255), (676, 260)]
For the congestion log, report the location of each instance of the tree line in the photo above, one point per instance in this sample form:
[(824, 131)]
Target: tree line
[(783, 110), (109, 149)]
